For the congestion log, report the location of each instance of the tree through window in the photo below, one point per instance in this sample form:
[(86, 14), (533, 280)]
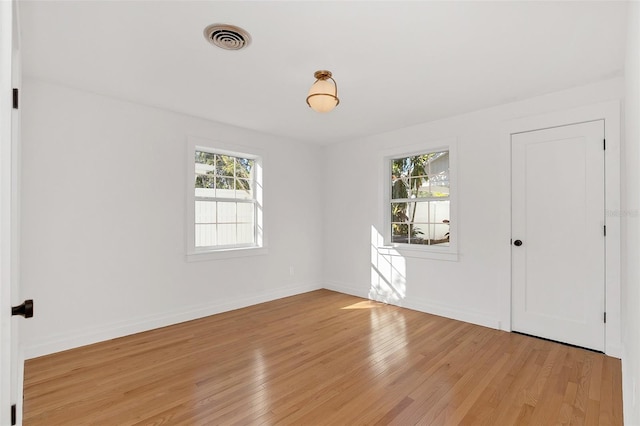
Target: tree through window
[(225, 201), (420, 199)]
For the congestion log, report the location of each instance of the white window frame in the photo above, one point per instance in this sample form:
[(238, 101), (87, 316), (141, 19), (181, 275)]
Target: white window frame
[(224, 252), (436, 252)]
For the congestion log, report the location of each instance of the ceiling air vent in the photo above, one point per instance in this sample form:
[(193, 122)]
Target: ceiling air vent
[(227, 37)]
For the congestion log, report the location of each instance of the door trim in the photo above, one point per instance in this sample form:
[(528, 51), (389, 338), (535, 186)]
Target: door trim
[(6, 209), (610, 113)]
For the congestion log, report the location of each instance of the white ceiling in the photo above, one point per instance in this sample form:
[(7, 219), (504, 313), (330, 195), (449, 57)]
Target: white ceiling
[(396, 63)]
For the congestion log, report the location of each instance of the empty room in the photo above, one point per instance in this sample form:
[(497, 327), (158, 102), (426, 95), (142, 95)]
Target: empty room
[(319, 212)]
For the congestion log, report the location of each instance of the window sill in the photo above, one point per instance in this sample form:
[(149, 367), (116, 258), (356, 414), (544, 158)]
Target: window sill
[(198, 256), (419, 253)]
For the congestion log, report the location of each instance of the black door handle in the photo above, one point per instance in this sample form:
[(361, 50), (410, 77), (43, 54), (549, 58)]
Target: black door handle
[(26, 309), (517, 243)]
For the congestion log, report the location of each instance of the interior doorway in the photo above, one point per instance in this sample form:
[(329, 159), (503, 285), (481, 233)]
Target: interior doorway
[(558, 233)]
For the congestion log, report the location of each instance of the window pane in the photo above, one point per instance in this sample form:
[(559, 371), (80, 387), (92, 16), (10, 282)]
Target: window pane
[(429, 211), (227, 234), (421, 211), (205, 211), (224, 183), (439, 211), (205, 158), (423, 175), (204, 186), (245, 212), (205, 235), (438, 170), (224, 165), (204, 181), (419, 233), (246, 234), (439, 233), (243, 167), (400, 233), (226, 212), (430, 233), (399, 212)]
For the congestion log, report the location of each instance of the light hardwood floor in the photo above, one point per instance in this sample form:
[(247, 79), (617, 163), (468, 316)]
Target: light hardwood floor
[(323, 358)]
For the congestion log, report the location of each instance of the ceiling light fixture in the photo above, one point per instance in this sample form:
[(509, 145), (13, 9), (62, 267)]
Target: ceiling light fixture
[(323, 95)]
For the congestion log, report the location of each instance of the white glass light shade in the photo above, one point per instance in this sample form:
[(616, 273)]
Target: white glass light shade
[(323, 95)]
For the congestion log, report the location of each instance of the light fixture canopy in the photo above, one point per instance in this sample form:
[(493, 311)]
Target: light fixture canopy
[(323, 95)]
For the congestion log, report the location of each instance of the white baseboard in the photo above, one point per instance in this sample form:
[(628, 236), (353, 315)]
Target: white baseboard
[(613, 351), (424, 306), (451, 312), (346, 289), (64, 341)]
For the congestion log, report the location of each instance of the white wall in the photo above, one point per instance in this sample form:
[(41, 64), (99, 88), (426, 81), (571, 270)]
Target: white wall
[(476, 287), (631, 224), (103, 220)]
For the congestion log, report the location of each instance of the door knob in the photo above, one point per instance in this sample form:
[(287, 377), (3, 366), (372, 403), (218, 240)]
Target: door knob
[(26, 309), (517, 243)]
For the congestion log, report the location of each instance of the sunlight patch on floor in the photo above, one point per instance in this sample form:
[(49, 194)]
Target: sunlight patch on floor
[(367, 304)]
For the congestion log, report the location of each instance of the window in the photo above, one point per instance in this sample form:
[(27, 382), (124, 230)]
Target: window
[(420, 201), (225, 204)]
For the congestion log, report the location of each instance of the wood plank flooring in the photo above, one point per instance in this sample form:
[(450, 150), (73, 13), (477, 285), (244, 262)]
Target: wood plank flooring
[(323, 358)]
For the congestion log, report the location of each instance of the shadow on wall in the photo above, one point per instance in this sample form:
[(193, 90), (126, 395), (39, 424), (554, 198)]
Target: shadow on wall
[(388, 272)]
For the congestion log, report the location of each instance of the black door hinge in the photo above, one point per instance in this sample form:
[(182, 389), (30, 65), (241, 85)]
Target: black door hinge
[(14, 415), (605, 317), (604, 144), (15, 98), (605, 230)]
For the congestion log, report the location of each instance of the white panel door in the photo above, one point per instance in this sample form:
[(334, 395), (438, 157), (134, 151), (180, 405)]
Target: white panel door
[(558, 242)]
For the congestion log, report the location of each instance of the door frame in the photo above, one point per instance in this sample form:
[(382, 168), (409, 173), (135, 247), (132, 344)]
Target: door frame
[(11, 353), (6, 210), (610, 113)]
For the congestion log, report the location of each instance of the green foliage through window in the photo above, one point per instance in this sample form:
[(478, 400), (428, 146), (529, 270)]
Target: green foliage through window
[(223, 171), (225, 200), (420, 199)]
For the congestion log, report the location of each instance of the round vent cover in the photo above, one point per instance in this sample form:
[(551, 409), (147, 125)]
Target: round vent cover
[(227, 37)]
